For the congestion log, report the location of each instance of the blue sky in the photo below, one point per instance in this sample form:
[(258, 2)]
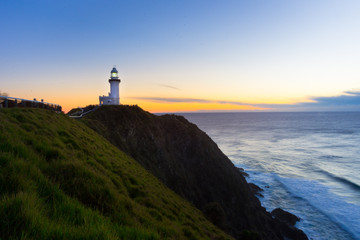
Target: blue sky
[(184, 55)]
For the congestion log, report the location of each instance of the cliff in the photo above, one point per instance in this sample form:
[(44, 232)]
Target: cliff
[(190, 163), (61, 180)]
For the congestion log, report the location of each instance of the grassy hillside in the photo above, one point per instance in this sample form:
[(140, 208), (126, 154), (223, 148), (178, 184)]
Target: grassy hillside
[(61, 180), (189, 162)]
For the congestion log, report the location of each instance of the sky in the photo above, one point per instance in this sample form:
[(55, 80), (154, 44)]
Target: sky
[(184, 55)]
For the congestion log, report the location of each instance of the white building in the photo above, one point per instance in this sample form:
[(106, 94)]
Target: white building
[(114, 97)]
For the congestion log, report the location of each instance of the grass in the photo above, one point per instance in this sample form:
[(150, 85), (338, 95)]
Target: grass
[(61, 180)]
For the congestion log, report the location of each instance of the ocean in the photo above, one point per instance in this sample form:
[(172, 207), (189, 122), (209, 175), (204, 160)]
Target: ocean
[(307, 164)]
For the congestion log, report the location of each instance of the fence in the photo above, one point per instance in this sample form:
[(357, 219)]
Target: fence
[(10, 102)]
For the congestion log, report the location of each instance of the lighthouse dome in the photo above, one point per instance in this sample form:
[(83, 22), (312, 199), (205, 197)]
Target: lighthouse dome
[(114, 74), (114, 70)]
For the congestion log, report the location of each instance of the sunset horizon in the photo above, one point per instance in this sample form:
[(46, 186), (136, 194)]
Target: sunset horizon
[(183, 119), (184, 56)]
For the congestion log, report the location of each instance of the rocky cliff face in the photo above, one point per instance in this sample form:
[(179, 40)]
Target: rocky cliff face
[(189, 162)]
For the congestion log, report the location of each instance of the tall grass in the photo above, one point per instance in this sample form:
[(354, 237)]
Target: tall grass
[(61, 180)]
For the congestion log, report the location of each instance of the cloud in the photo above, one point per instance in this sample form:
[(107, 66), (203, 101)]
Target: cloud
[(351, 98), (347, 101), (168, 86), (189, 100), (354, 92), (246, 106)]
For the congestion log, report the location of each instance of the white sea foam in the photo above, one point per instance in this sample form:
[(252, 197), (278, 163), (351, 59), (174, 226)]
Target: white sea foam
[(321, 218), (307, 164), (335, 207)]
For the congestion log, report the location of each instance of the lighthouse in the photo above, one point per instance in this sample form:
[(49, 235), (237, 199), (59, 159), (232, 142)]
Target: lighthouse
[(114, 97)]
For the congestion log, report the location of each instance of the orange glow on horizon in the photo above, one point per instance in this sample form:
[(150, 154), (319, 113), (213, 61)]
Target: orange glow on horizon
[(74, 98), (157, 107)]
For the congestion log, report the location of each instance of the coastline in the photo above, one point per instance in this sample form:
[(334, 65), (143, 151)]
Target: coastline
[(305, 162), (189, 162)]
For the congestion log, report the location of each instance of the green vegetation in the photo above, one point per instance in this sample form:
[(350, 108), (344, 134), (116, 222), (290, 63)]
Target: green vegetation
[(61, 180)]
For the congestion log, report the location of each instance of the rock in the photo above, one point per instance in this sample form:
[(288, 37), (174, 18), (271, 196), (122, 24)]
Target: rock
[(291, 232), (255, 189), (285, 216), (286, 222), (242, 171), (189, 162)]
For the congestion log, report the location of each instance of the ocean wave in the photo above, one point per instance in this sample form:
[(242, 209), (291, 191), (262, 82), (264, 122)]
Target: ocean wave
[(344, 131), (327, 157), (344, 214), (342, 180)]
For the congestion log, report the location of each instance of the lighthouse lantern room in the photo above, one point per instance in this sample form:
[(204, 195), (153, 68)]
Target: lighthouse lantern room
[(114, 97)]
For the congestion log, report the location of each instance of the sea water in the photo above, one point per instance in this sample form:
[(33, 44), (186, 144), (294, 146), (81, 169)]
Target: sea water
[(307, 164)]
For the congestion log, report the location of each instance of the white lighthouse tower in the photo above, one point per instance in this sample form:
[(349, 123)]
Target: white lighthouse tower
[(114, 97)]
